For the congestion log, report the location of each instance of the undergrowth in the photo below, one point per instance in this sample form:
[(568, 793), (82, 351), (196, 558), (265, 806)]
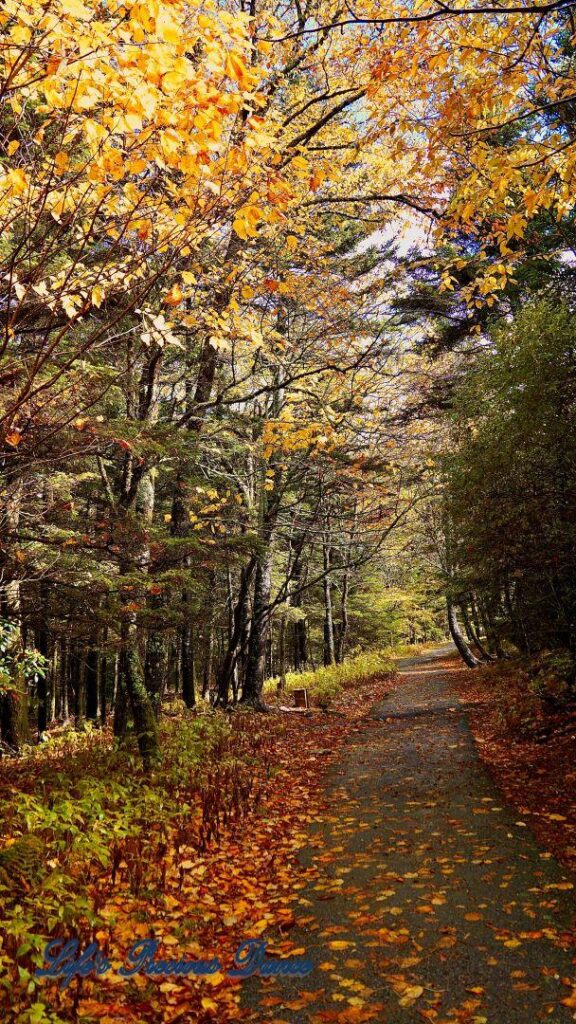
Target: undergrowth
[(100, 825), (327, 683), (528, 692)]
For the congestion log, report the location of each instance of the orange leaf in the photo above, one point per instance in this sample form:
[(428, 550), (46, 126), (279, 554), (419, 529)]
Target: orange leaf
[(174, 297)]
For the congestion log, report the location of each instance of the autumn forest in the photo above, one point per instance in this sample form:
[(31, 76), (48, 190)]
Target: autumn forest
[(288, 510)]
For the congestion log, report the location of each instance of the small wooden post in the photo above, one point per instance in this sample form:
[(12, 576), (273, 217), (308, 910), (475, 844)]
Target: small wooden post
[(300, 697)]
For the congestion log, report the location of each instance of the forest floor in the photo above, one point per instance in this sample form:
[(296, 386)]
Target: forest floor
[(531, 754), (427, 896)]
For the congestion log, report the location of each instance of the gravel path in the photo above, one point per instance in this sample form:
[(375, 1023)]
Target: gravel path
[(428, 898)]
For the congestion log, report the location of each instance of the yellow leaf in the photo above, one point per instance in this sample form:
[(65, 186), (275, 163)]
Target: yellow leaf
[(414, 991), (516, 226), (215, 979), (167, 28), (168, 986), (172, 81), (235, 68), (239, 226), (75, 7), (97, 295), (18, 181)]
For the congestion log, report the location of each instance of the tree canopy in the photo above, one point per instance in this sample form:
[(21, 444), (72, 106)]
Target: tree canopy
[(278, 285)]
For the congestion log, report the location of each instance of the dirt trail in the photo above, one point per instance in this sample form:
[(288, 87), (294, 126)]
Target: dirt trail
[(430, 899)]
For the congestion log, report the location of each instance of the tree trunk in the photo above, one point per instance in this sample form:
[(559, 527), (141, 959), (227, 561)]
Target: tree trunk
[(208, 667), (329, 647), (14, 714), (472, 634), (154, 665), (63, 711), (256, 662), (54, 678), (474, 615), (299, 635), (300, 645), (282, 651), (103, 689), (41, 644), (120, 723), (79, 683), (519, 634), (145, 724), (230, 660), (490, 630), (458, 637), (343, 630), (91, 671), (188, 667), (14, 722)]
